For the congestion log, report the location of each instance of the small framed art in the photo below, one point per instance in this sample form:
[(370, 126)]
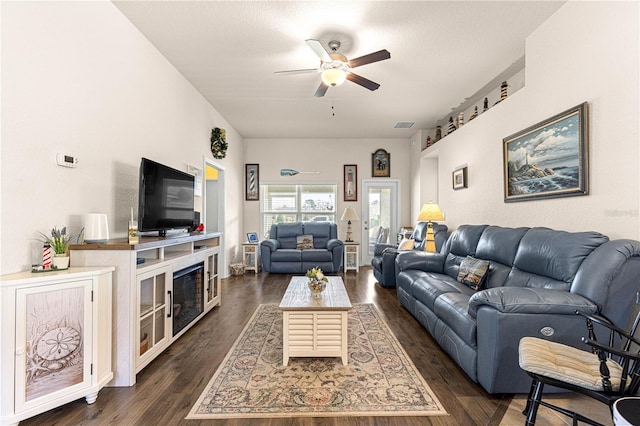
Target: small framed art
[(350, 182), (252, 237), (459, 178), (380, 164), (252, 182)]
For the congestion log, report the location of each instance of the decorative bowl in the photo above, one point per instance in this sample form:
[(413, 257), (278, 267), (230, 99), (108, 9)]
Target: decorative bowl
[(317, 287)]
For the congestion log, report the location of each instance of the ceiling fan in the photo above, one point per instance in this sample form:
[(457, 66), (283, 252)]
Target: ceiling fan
[(335, 68)]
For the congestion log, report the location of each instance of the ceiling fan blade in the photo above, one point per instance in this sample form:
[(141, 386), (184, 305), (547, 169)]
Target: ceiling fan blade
[(319, 49), (380, 55), (322, 89), (366, 83), (304, 71)]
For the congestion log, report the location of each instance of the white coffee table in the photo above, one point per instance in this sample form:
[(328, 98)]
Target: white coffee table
[(314, 327)]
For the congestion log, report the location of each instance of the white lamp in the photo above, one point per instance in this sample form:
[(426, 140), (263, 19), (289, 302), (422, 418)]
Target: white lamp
[(349, 214), (430, 212), (333, 76), (96, 228)]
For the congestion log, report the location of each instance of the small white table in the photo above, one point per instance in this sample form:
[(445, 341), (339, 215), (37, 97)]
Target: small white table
[(351, 256), (250, 257), (314, 327)]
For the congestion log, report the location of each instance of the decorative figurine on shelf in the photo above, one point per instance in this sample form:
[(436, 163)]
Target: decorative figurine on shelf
[(46, 256), (460, 120), (475, 113), (485, 106), (452, 127), (438, 134), (428, 142), (503, 92)]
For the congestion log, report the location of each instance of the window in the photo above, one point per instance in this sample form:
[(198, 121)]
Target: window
[(293, 203)]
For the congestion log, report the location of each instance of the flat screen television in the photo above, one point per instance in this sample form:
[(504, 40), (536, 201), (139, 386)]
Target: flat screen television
[(166, 198)]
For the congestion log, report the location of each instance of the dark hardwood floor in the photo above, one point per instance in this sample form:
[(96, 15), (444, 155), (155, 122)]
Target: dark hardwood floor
[(171, 384)]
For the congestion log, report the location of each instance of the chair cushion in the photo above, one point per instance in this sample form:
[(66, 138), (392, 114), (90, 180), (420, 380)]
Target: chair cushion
[(566, 363), (304, 242)]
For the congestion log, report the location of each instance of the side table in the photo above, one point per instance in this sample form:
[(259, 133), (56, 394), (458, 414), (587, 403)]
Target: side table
[(251, 256), (351, 256)]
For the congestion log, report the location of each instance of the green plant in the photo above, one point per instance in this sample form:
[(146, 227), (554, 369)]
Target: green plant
[(317, 274), (59, 240)]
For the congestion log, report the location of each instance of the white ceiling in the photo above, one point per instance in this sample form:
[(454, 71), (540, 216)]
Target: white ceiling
[(441, 53)]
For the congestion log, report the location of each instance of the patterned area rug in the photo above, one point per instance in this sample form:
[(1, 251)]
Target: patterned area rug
[(379, 380)]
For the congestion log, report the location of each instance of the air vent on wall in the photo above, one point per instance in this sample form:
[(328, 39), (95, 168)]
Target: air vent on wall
[(404, 124)]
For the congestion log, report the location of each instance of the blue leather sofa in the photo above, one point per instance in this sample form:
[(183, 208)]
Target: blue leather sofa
[(280, 254), (537, 279), (384, 255)]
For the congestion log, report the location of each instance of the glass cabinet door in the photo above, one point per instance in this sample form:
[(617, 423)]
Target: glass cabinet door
[(152, 311), (212, 281)]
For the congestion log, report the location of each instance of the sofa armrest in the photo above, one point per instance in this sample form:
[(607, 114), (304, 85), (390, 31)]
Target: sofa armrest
[(525, 300), (271, 244), (331, 244), (380, 247), (421, 260)]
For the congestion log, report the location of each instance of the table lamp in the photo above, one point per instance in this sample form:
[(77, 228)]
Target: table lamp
[(349, 214), (430, 212)]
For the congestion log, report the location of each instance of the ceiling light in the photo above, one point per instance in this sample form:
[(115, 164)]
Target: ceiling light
[(333, 76)]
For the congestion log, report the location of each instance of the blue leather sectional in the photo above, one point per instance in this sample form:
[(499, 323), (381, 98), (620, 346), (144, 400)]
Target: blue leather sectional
[(280, 254), (537, 279)]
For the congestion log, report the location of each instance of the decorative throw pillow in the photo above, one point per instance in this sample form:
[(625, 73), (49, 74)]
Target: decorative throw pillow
[(406, 244), (304, 242), (473, 272)]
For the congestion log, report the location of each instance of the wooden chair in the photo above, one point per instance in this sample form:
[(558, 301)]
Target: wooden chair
[(609, 372)]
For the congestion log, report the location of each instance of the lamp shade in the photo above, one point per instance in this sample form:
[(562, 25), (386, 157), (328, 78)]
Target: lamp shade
[(349, 214), (430, 212), (96, 228)]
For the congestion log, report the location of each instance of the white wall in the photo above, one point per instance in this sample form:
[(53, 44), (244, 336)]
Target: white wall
[(78, 78), (587, 51), (327, 156)]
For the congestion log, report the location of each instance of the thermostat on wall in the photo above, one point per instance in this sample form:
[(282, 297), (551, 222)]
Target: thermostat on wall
[(66, 160)]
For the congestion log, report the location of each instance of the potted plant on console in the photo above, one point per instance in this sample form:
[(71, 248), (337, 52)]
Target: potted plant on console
[(59, 242)]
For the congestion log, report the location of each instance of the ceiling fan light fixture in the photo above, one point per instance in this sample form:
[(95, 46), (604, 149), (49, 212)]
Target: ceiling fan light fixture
[(334, 76)]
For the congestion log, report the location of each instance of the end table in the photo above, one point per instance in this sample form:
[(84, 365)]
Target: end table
[(351, 256), (251, 257)]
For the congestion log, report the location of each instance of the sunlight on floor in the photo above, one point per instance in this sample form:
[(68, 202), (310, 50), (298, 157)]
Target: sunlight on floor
[(579, 403)]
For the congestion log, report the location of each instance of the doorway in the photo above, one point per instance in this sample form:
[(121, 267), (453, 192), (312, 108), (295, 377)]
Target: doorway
[(380, 207), (213, 211)]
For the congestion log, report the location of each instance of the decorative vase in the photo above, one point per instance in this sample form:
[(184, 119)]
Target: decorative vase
[(317, 287), (60, 261)]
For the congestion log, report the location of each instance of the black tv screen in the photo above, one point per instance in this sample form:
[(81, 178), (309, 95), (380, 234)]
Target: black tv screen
[(166, 198)]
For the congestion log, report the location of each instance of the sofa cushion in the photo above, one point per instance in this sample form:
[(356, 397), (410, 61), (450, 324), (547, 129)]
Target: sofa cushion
[(426, 287), (304, 242), (321, 232), (554, 254), (499, 244), (406, 244), (473, 272), (287, 255), (316, 255), (461, 244), (287, 234)]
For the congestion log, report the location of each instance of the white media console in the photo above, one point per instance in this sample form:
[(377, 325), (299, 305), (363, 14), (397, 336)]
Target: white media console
[(150, 311)]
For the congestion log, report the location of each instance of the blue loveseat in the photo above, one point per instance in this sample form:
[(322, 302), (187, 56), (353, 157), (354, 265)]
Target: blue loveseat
[(537, 278), (282, 254)]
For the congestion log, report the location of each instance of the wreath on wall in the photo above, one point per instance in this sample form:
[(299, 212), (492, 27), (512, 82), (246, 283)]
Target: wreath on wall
[(219, 143)]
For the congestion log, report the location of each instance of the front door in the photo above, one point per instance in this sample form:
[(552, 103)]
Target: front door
[(380, 207)]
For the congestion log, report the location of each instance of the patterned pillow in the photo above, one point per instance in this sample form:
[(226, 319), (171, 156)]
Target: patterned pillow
[(304, 242), (473, 272), (406, 244)]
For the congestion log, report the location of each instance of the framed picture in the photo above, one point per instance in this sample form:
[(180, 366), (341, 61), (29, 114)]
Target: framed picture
[(252, 182), (252, 237), (380, 164), (459, 177), (350, 182), (549, 159)]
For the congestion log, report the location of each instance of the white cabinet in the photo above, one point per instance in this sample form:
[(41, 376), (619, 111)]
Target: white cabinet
[(150, 310), (56, 339), (351, 256)]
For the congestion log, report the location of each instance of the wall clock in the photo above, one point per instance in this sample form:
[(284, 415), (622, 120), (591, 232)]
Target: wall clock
[(219, 143)]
